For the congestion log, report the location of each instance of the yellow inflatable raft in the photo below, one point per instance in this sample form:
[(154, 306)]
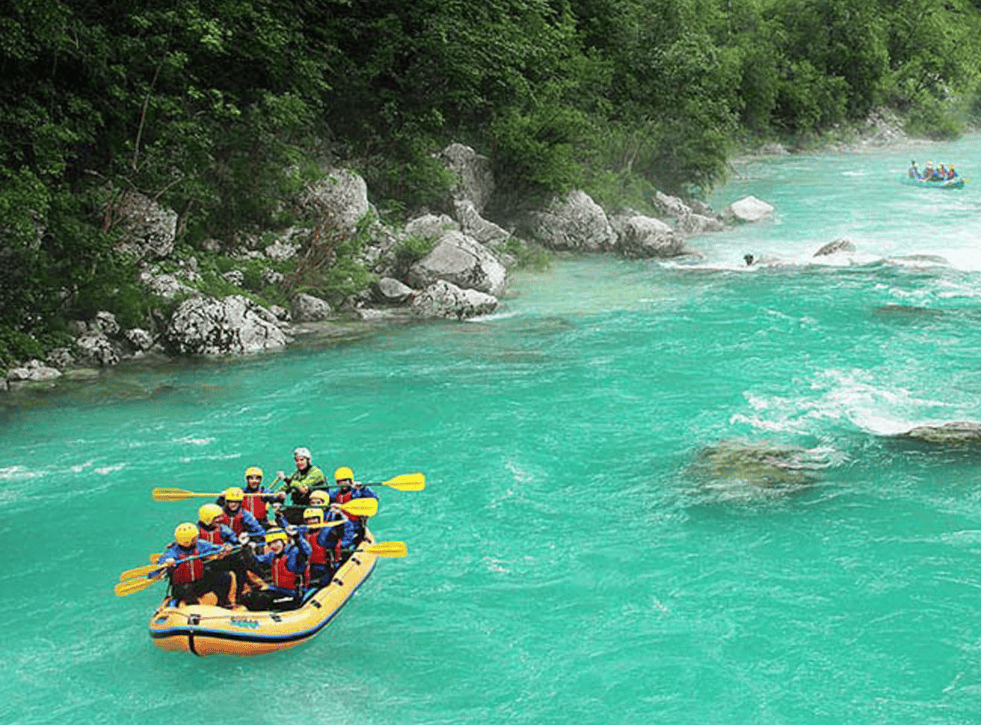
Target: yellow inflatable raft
[(209, 630)]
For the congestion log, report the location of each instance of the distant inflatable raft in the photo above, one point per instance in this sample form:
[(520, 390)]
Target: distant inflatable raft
[(209, 630), (957, 183)]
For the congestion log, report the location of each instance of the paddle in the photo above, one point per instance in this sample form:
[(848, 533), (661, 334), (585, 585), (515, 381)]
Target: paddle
[(388, 548), (155, 565), (325, 525), (131, 586), (179, 494), (355, 507), (140, 571), (405, 482)]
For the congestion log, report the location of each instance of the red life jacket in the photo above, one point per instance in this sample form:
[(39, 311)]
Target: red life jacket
[(282, 577), (255, 505), (344, 497), (212, 535), (188, 572), (235, 522), (319, 553)]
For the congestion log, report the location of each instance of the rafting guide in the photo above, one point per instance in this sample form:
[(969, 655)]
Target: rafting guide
[(240, 584)]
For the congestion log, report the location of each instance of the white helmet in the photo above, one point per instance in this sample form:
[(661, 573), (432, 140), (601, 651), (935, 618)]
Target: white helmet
[(302, 453)]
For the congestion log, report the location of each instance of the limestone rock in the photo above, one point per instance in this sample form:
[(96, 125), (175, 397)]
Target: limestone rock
[(475, 182), (748, 210), (486, 232), (575, 222), (95, 349), (32, 371), (670, 206), (430, 225), (643, 236), (391, 291), (149, 230), (342, 196), (234, 325), (459, 259), (308, 308), (446, 300)]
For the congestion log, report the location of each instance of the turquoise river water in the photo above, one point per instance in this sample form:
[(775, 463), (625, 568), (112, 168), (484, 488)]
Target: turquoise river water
[(601, 539)]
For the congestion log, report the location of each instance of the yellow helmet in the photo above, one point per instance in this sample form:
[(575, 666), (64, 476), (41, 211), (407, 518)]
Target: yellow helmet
[(313, 513), (186, 534), (343, 473), (234, 494), (253, 471), (276, 536), (318, 497), (208, 513)]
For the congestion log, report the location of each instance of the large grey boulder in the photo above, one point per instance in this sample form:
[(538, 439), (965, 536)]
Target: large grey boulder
[(139, 339), (390, 291), (474, 179), (166, 286), (486, 232), (670, 206), (96, 350), (642, 236), (459, 259), (342, 198), (33, 371), (748, 210), (148, 229), (445, 300), (574, 222), (691, 224), (234, 325), (308, 308), (430, 225)]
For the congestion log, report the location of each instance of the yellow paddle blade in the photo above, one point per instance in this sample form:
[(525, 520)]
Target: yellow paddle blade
[(360, 507), (131, 586), (388, 548), (138, 572), (327, 524), (176, 494), (154, 558), (407, 482)]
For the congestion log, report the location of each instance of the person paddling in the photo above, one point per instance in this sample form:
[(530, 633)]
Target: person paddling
[(235, 516), (191, 580), (211, 529), (301, 482), (287, 564), (242, 563), (258, 506), (319, 564), (347, 490)]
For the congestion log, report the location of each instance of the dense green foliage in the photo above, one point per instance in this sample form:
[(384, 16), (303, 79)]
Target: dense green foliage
[(223, 109)]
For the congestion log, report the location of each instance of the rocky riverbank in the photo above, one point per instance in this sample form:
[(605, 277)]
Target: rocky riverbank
[(459, 268)]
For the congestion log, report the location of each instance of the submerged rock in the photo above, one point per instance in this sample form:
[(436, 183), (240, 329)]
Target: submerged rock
[(957, 433), (750, 470), (838, 245)]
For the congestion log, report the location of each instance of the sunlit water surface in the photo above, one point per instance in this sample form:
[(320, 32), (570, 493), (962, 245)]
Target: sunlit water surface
[(604, 537)]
